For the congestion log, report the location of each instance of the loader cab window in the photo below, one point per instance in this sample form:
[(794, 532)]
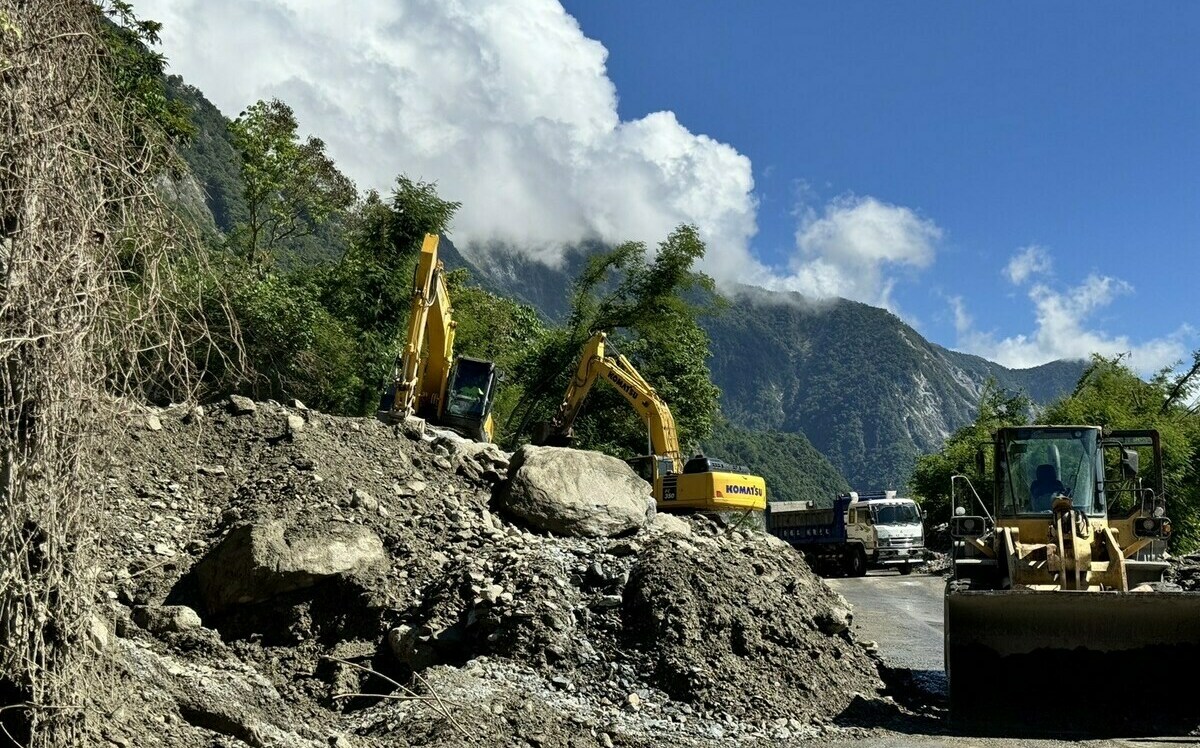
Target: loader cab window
[(1040, 464)]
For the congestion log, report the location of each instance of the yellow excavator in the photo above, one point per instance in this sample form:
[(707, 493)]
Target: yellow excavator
[(429, 381), (700, 484), (1058, 615)]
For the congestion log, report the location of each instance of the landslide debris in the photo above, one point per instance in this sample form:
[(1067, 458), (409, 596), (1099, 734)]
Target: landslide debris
[(272, 572)]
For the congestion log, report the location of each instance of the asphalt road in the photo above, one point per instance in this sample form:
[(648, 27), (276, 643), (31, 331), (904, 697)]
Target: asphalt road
[(902, 614)]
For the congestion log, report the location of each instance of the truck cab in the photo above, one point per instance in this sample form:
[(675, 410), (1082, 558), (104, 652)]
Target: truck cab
[(889, 527), (860, 531)]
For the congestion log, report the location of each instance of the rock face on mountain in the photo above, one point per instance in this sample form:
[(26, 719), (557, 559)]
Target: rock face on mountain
[(350, 583), (866, 389)]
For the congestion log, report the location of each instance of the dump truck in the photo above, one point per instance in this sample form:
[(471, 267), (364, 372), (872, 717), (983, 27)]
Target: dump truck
[(1058, 616), (860, 531)]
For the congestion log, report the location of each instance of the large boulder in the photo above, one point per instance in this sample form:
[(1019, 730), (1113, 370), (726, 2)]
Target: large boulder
[(257, 562), (572, 492)]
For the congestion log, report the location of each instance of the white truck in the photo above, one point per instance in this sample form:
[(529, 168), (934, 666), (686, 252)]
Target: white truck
[(860, 531)]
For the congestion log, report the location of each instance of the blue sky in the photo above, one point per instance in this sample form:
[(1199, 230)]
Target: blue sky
[(1074, 126), (1016, 179)]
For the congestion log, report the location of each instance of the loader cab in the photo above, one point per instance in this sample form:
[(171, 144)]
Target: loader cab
[(470, 390), (1036, 464)]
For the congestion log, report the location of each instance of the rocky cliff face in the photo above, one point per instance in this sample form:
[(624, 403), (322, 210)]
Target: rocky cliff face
[(866, 389)]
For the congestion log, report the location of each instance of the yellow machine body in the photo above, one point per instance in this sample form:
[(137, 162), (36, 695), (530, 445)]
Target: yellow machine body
[(699, 484), (1058, 616)]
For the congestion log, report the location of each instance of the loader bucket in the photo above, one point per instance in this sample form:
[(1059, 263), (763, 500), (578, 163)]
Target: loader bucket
[(1073, 662)]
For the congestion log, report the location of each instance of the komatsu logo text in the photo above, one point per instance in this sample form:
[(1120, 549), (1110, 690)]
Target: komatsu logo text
[(745, 490), (625, 387)]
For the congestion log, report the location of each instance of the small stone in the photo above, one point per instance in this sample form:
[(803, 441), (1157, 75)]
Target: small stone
[(295, 424), (562, 683), (211, 469), (605, 740), (363, 500), (240, 405), (295, 404), (624, 548), (153, 423), (163, 619), (492, 593), (98, 634), (162, 549), (609, 601), (634, 702)]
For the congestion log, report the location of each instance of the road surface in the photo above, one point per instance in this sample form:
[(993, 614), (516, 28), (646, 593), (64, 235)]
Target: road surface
[(903, 615)]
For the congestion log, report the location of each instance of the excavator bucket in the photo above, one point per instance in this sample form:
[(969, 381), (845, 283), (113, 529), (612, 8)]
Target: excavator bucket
[(1073, 662)]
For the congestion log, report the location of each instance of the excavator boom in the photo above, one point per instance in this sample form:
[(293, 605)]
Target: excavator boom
[(693, 485), (429, 380)]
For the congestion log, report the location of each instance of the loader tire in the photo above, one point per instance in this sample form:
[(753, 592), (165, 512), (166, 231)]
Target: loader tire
[(906, 569)]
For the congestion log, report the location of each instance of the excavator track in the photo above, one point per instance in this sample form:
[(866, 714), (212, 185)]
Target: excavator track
[(1072, 662)]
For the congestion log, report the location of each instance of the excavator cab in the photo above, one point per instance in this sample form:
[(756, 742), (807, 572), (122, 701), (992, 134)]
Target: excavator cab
[(1059, 588), (470, 391)]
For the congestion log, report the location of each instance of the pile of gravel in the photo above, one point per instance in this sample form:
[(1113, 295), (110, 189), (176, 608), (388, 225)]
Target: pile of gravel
[(269, 571)]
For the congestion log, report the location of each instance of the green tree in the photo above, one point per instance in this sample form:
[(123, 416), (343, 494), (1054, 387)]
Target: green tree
[(1111, 395), (291, 186), (930, 481), (651, 309), (370, 290)]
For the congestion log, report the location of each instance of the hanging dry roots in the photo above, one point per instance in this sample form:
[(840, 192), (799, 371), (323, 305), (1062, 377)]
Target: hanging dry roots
[(88, 311)]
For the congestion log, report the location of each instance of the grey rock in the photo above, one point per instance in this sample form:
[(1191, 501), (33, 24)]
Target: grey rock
[(363, 500), (254, 563), (241, 705), (576, 493), (410, 648), (164, 619), (240, 405), (295, 424), (98, 634)]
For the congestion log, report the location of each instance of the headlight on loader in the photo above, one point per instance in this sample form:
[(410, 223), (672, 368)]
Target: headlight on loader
[(1152, 527), (967, 527)]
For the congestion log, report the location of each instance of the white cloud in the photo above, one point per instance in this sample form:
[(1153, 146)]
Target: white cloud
[(849, 249), (1064, 329), (1027, 262), (504, 103)]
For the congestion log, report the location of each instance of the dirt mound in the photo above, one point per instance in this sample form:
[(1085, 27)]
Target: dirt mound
[(736, 624), (685, 633)]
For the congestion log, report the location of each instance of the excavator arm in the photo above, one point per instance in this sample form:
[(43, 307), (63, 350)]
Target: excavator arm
[(421, 382), (595, 363)]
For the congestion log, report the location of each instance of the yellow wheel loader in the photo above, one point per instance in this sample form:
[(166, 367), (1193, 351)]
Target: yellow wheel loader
[(429, 381), (699, 484), (1057, 616)]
